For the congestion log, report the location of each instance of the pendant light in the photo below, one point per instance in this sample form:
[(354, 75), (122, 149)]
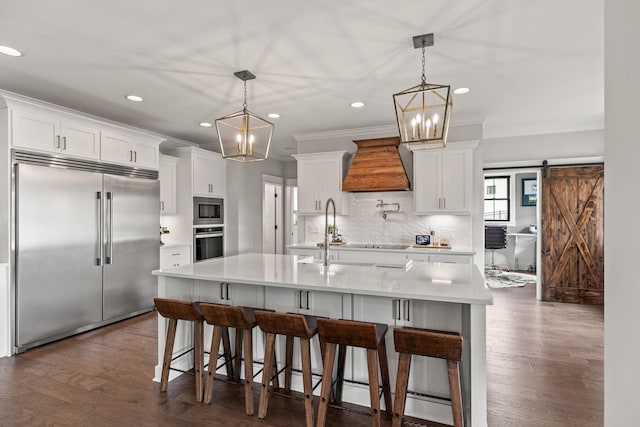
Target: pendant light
[(243, 136), (423, 111)]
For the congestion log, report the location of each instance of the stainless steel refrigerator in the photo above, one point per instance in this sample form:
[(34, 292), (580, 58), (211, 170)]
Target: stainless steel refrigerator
[(86, 242)]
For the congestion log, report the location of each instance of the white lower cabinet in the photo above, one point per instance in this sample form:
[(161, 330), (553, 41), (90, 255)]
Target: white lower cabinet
[(428, 377), (444, 258), (378, 310), (314, 303), (372, 257), (175, 256), (316, 253)]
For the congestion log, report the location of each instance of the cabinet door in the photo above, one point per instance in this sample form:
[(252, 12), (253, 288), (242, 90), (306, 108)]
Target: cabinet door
[(379, 310), (429, 375), (329, 183), (457, 170), (38, 131), (145, 155), (427, 181), (203, 175), (116, 148), (167, 177), (307, 187), (79, 139)]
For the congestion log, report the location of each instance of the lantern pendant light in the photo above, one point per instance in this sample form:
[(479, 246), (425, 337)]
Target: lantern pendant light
[(243, 136), (423, 111)]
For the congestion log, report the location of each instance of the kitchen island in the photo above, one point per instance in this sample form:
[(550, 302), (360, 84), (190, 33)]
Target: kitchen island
[(421, 294)]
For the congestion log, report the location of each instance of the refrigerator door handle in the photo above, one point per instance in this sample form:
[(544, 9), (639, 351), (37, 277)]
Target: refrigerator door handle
[(109, 229), (99, 228)]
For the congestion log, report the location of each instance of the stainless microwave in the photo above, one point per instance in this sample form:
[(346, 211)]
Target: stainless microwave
[(208, 211)]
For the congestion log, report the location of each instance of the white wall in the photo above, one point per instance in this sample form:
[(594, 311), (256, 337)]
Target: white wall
[(243, 222), (622, 234), (534, 148)]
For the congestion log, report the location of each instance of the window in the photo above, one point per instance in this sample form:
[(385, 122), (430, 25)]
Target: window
[(497, 200)]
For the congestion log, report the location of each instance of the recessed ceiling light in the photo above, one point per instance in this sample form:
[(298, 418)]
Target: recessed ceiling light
[(134, 98), (9, 51), (461, 90), (273, 115), (205, 124), (357, 104)]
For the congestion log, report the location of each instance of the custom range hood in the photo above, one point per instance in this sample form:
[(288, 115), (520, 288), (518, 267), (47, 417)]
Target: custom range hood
[(376, 166)]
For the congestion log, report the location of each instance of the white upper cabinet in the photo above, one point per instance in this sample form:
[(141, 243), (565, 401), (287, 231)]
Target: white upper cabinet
[(209, 174), (320, 177), (443, 180), (44, 128), (127, 150), (48, 132), (167, 177)]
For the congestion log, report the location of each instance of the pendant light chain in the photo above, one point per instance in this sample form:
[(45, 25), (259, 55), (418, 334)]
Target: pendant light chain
[(424, 77), (244, 104)]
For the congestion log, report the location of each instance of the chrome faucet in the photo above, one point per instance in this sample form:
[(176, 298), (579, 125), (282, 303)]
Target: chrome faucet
[(326, 229)]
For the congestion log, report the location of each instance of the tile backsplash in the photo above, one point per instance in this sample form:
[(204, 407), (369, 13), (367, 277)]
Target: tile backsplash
[(365, 224)]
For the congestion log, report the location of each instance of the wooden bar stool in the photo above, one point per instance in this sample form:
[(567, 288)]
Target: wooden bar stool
[(175, 310), (243, 319), (425, 342), (370, 336), (291, 325)]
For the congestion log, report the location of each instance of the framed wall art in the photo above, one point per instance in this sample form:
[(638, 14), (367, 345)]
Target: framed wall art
[(529, 191)]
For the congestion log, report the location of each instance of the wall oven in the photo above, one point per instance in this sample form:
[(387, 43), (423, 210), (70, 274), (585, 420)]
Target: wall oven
[(208, 242), (208, 211)]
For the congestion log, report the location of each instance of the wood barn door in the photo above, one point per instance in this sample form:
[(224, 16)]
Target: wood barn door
[(572, 227)]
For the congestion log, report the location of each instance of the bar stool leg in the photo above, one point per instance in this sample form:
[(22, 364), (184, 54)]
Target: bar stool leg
[(266, 375), (288, 363), (198, 358), (342, 355), (384, 371), (372, 365), (168, 354), (213, 352), (226, 345), (402, 380), (238, 355), (248, 371), (275, 381), (305, 355), (327, 374), (454, 389)]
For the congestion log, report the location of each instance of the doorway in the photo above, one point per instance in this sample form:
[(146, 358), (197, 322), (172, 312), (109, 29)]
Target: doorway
[(511, 201), (272, 224)]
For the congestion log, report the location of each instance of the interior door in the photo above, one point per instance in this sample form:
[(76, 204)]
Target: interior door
[(131, 245), (58, 276), (572, 227)]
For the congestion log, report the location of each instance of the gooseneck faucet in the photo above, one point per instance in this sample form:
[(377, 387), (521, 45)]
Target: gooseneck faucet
[(326, 229)]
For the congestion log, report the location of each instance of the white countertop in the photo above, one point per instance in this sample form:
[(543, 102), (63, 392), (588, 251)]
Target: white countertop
[(458, 283)]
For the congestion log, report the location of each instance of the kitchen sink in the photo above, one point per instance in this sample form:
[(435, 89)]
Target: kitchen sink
[(374, 246)]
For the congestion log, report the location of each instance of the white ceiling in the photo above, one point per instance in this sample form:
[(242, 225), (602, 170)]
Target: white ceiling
[(533, 66)]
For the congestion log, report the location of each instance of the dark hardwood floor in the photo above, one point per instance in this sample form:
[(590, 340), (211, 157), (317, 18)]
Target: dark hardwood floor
[(545, 361), (545, 368)]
